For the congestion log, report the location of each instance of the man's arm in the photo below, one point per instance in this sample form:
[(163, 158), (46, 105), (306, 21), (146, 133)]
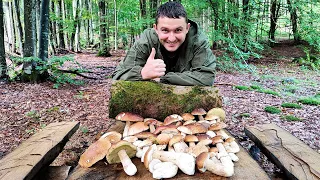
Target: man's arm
[(202, 71)]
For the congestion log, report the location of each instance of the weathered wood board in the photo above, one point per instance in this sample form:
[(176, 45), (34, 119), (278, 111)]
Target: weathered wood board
[(37, 151), (245, 169), (294, 157)]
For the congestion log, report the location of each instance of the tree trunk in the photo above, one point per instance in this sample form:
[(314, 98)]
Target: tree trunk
[(104, 49), (246, 19), (294, 18), (29, 49), (12, 26), (8, 25), (3, 64), (75, 5), (115, 26), (91, 23), (153, 8), (143, 11), (78, 28), (275, 6), (18, 24), (60, 26), (44, 30), (54, 27)]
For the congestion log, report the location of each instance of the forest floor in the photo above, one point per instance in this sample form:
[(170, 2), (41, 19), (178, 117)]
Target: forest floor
[(27, 108)]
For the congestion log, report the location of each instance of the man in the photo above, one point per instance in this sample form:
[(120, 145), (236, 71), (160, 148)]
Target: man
[(174, 52)]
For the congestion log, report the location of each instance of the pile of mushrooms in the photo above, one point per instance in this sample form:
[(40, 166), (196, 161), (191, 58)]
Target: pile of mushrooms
[(186, 142)]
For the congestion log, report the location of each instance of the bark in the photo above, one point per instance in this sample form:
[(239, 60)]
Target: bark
[(8, 26), (78, 28), (275, 6), (75, 15), (246, 19), (54, 27), (12, 26), (104, 49), (215, 6), (115, 25), (153, 8), (18, 24), (143, 11), (44, 30), (294, 18), (29, 49), (60, 26), (3, 64)]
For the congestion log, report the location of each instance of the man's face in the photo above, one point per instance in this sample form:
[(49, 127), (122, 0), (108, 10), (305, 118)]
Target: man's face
[(171, 32)]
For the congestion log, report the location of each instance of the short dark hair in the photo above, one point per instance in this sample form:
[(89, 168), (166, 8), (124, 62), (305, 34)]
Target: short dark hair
[(171, 9)]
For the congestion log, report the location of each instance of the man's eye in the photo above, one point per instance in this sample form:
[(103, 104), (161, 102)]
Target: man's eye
[(178, 30), (164, 30)]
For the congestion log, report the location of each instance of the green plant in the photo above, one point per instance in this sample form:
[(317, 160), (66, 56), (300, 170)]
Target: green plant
[(245, 88), (272, 110), (291, 105), (246, 115), (310, 61), (33, 114), (269, 91), (290, 118), (310, 101), (84, 129), (80, 95), (255, 87)]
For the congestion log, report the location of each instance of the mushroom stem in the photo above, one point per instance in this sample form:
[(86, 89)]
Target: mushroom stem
[(184, 161), (127, 164), (152, 128), (126, 129), (200, 117)]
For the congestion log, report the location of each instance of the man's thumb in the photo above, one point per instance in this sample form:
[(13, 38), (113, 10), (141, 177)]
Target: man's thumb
[(152, 54)]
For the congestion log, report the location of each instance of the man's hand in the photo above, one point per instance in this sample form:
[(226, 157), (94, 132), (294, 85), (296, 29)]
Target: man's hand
[(154, 68)]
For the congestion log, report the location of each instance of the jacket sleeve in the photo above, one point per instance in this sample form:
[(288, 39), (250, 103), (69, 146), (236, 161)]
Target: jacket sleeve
[(130, 67), (202, 71)]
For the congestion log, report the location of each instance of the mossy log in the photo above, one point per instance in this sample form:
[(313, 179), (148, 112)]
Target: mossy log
[(157, 100)]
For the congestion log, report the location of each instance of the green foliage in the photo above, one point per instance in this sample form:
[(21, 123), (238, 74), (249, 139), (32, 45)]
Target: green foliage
[(310, 101), (290, 118), (269, 91), (255, 87), (291, 105), (310, 61), (84, 129), (272, 110), (52, 66), (246, 88), (33, 114), (246, 115)]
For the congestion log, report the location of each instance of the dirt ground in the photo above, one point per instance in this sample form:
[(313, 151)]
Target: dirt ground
[(27, 108)]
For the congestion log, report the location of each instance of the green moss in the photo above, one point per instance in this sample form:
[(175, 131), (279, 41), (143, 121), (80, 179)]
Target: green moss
[(243, 88), (255, 87), (272, 110), (269, 91), (290, 118), (291, 105), (246, 115), (151, 99), (310, 101)]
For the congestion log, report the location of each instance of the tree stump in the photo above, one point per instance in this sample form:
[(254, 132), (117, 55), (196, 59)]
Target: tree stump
[(157, 100)]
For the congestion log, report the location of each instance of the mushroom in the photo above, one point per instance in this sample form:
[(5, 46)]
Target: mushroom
[(211, 134), (152, 123), (222, 168), (172, 118), (164, 170), (231, 145), (217, 126), (137, 128), (184, 161), (191, 139), (130, 139), (218, 112), (145, 135), (200, 147), (128, 117), (187, 117), (192, 128), (99, 149), (159, 129), (222, 133), (163, 138), (212, 118), (152, 163), (199, 112), (179, 145), (233, 157), (189, 122), (122, 151)]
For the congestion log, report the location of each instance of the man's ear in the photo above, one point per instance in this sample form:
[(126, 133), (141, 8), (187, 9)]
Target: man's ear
[(188, 27), (155, 28)]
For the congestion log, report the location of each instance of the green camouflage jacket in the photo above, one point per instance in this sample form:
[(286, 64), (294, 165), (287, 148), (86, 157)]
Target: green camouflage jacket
[(195, 64)]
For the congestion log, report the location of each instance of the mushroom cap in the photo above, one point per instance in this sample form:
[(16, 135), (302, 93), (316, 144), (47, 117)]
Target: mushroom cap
[(152, 121), (218, 112), (144, 135), (170, 130), (172, 118), (229, 139), (130, 139), (175, 139), (163, 138), (112, 156), (200, 161), (217, 126), (191, 138), (112, 136), (95, 152), (187, 116), (203, 137), (161, 128), (148, 155), (129, 116), (189, 122), (137, 128), (217, 139), (194, 128), (214, 149), (211, 117), (199, 111)]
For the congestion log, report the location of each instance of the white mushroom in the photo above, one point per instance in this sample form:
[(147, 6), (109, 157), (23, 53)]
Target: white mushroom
[(152, 163), (233, 157), (164, 170)]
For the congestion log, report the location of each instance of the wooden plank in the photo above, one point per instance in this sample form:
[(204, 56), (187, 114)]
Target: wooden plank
[(294, 157), (37, 151), (246, 168)]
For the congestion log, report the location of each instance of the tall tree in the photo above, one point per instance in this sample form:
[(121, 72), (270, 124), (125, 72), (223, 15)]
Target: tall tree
[(60, 25), (143, 11), (16, 8), (29, 49), (104, 46), (3, 64), (275, 6), (44, 30), (294, 20)]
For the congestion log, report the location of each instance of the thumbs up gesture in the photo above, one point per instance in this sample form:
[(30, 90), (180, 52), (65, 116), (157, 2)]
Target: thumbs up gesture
[(154, 68)]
